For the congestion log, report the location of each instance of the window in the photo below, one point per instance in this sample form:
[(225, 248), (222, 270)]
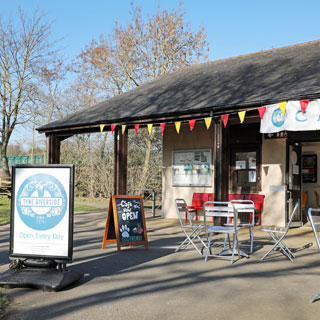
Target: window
[(245, 169)]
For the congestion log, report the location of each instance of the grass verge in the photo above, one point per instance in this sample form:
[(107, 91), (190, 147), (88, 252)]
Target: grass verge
[(4, 301)]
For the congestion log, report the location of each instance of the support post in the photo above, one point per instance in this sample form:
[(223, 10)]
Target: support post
[(120, 162), (221, 164), (53, 149)]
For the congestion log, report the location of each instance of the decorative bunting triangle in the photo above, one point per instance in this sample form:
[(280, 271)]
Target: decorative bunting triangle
[(162, 125), (150, 128), (303, 105), (101, 127), (136, 127), (225, 119), (191, 124), (113, 126), (241, 115), (123, 128), (282, 106), (178, 125), (208, 122), (262, 110)]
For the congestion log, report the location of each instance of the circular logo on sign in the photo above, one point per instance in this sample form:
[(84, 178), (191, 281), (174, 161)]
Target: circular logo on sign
[(41, 201), (278, 118)]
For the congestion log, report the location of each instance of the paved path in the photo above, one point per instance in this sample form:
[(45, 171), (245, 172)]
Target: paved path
[(162, 284)]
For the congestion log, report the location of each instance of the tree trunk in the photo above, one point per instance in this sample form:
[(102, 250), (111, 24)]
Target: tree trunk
[(5, 173), (146, 165)]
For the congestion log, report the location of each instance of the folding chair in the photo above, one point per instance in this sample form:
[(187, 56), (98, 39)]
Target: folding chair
[(314, 218), (245, 208), (221, 209), (278, 234), (191, 231)]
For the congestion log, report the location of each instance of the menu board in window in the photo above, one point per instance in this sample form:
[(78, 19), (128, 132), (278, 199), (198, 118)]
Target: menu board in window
[(191, 167)]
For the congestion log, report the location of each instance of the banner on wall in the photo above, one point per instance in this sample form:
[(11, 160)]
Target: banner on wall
[(293, 119), (42, 211)]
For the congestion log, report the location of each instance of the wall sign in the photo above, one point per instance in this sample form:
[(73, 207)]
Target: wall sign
[(125, 223), (42, 211), (191, 167)]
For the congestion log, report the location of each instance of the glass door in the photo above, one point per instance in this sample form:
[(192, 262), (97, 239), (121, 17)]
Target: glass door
[(293, 172)]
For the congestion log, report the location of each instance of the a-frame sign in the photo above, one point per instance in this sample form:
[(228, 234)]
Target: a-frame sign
[(125, 224)]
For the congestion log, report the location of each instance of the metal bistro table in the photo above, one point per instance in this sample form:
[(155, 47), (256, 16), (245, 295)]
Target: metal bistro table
[(213, 211), (246, 206)]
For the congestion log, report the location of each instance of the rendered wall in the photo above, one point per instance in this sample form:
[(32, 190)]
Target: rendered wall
[(272, 173), (272, 178), (199, 138)]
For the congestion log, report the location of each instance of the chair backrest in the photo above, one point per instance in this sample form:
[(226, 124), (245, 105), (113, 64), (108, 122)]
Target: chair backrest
[(304, 199), (242, 204), (257, 199), (182, 209), (291, 216), (314, 217), (198, 199), (220, 209)]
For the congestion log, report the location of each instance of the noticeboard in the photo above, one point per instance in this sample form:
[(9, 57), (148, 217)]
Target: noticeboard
[(42, 211), (191, 168), (125, 223)]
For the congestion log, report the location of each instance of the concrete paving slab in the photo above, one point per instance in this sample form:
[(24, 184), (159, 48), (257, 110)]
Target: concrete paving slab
[(161, 284)]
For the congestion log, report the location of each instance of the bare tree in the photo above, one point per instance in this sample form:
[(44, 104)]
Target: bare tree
[(140, 52), (24, 50)]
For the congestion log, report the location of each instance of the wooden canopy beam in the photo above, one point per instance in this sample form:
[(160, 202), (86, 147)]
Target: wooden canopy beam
[(120, 161), (221, 164)]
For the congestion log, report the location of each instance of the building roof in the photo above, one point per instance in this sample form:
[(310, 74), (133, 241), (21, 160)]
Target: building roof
[(242, 82)]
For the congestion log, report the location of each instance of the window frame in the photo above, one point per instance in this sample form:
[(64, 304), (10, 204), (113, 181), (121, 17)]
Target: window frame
[(233, 186)]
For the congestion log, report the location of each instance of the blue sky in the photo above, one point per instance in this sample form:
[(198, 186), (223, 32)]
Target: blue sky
[(234, 27)]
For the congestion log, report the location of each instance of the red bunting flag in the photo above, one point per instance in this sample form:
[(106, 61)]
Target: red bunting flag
[(136, 126), (262, 110), (304, 104), (225, 119), (191, 124), (113, 126), (162, 125)]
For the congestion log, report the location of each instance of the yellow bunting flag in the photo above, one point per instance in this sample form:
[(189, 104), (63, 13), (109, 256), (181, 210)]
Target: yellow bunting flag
[(241, 115), (282, 106), (123, 128), (208, 122), (150, 128), (101, 127), (178, 125)]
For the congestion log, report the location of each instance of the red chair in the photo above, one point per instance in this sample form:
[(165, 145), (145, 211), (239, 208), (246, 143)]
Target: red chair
[(258, 204), (198, 199)]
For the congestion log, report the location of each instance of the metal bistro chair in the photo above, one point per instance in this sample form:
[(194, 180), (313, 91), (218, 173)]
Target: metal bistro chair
[(244, 209), (278, 234), (191, 231), (314, 218), (221, 209)]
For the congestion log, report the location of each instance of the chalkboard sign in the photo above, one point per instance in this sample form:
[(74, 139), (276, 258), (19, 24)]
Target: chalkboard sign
[(125, 223)]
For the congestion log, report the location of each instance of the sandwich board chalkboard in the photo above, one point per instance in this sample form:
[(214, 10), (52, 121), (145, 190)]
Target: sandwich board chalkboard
[(125, 223)]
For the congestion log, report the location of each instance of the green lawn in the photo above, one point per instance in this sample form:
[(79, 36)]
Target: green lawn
[(3, 303), (5, 209)]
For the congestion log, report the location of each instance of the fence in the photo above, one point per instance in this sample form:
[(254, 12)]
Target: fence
[(37, 159)]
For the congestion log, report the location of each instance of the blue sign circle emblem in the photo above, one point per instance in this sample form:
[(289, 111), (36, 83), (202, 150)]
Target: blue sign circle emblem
[(278, 118), (41, 201)]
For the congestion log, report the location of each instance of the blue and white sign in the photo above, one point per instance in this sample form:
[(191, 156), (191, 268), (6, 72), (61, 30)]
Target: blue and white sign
[(41, 214), (293, 119)]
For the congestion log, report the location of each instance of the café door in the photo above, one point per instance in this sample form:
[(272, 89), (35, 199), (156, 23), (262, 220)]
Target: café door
[(293, 173)]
